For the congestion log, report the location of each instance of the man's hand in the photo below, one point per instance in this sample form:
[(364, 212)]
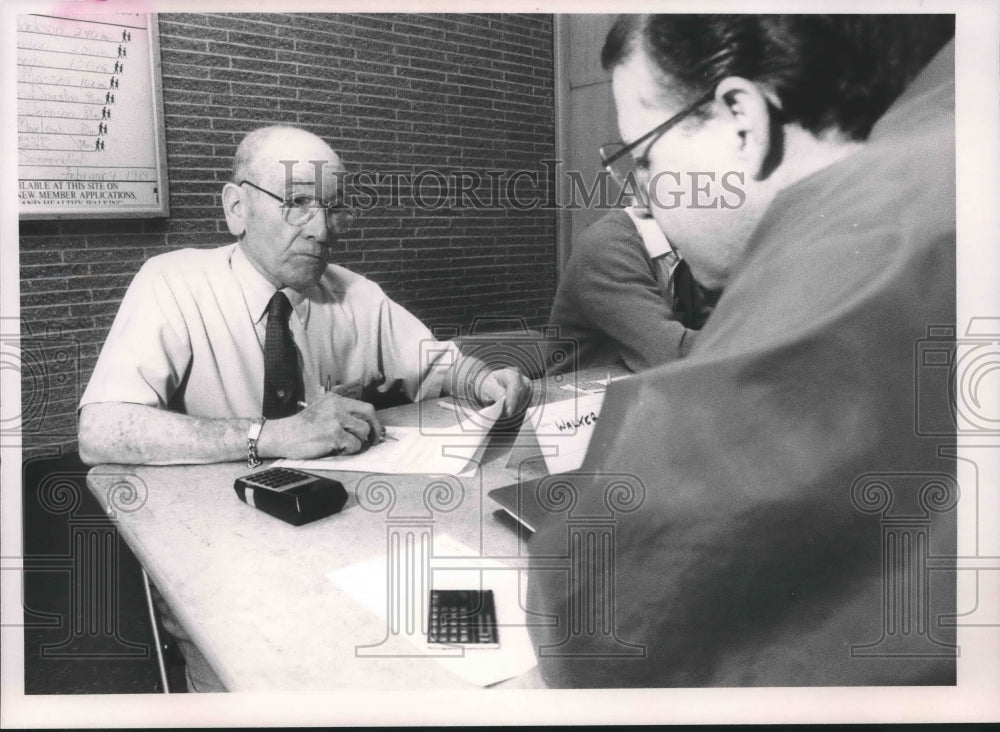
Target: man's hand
[(507, 384), (334, 425)]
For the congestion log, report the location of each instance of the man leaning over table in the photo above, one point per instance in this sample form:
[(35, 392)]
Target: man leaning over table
[(183, 378), (752, 552)]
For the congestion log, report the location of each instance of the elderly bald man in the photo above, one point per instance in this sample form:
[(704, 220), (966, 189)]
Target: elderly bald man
[(181, 377)]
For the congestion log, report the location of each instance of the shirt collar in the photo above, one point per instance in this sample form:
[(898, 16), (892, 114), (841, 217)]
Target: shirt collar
[(257, 291), (653, 238)]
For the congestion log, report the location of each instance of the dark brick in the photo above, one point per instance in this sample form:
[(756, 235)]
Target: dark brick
[(172, 69), (193, 122), (177, 43), (170, 31), (266, 39), (34, 279), (208, 239), (194, 59), (235, 50), (35, 319), (248, 22), (47, 256)]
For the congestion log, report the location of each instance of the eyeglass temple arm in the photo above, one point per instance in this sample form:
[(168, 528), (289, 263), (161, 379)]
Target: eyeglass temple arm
[(703, 99)]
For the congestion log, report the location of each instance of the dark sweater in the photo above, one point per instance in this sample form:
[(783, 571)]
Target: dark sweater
[(785, 500), (610, 305)]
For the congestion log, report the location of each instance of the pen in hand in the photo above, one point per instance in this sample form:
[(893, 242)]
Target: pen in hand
[(383, 436)]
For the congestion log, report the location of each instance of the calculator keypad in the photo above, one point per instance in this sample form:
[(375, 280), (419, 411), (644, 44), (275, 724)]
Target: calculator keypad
[(462, 617), (278, 479)]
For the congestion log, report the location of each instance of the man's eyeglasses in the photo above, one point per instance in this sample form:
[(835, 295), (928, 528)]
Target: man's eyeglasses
[(299, 208), (617, 159)]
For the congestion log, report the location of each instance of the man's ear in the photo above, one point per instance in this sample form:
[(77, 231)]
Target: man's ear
[(760, 144), (234, 205)]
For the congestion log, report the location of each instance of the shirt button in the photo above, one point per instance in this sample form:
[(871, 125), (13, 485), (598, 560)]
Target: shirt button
[(281, 393)]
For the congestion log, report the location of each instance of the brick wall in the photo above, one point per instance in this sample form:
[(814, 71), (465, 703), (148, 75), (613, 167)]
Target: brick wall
[(397, 94)]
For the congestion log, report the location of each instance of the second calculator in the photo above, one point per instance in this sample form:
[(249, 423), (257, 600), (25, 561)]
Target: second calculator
[(463, 617)]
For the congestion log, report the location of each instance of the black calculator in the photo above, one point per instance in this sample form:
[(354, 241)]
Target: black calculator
[(291, 495), (463, 617)]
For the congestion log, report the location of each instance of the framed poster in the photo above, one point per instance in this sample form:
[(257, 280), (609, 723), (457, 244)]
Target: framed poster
[(90, 117)]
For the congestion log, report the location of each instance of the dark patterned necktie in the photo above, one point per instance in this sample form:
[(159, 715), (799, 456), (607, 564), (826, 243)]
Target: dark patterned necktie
[(282, 380)]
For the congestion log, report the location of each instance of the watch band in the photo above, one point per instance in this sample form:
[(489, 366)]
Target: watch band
[(253, 434)]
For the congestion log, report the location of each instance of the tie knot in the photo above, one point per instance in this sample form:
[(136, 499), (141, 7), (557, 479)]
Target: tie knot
[(279, 307)]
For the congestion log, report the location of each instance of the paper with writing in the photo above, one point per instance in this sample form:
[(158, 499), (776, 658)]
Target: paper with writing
[(563, 430)]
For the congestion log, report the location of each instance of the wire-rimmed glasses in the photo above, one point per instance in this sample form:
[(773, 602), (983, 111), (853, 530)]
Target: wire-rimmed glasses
[(299, 208)]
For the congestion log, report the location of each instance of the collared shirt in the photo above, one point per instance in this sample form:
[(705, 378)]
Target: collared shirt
[(661, 254), (189, 336)]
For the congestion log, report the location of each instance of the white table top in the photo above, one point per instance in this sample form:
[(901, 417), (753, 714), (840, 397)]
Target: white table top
[(254, 592)]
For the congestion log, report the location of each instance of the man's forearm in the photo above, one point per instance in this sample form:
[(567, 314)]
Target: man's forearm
[(117, 432)]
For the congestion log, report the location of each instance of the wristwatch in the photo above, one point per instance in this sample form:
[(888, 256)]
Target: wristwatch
[(253, 434)]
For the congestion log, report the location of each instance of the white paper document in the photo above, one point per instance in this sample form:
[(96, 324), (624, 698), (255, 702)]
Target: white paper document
[(367, 583), (563, 430), (452, 450)]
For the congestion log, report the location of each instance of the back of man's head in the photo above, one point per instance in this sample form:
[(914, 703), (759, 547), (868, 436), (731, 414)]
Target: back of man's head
[(830, 72)]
